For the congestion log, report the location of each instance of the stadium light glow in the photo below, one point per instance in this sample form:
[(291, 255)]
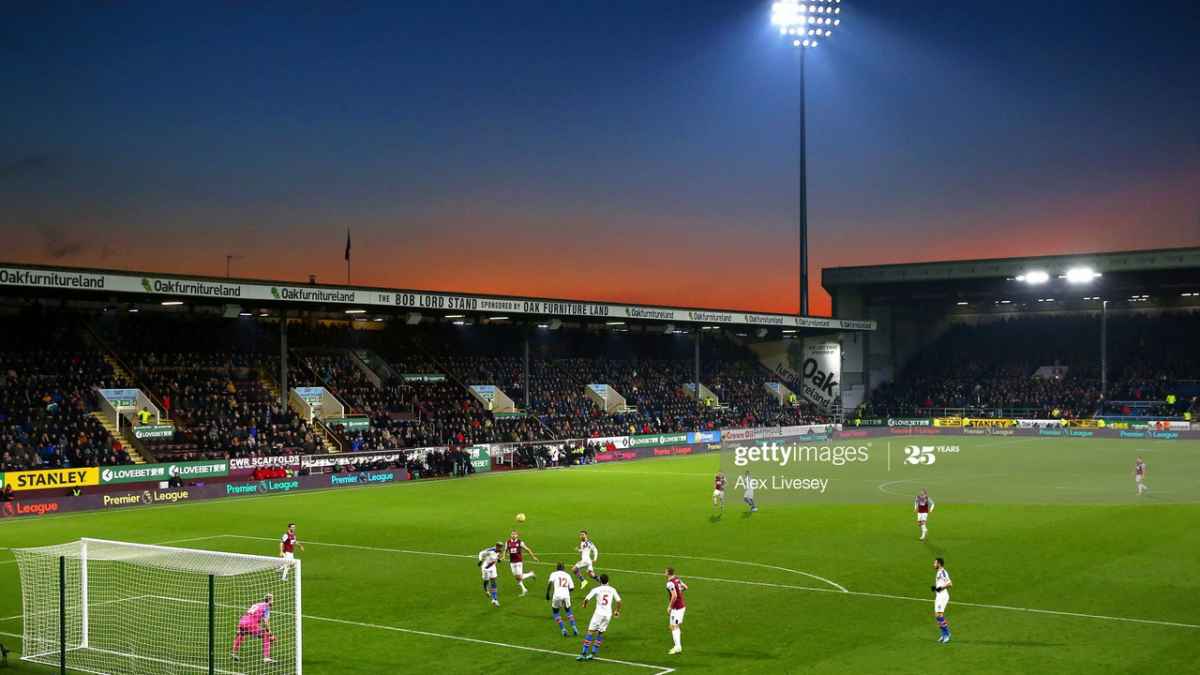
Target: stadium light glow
[(1034, 277), (245, 314), (455, 316), (171, 303), (793, 17), (134, 310), (961, 303), (497, 318), (356, 311), (614, 323), (460, 323), (1081, 275)]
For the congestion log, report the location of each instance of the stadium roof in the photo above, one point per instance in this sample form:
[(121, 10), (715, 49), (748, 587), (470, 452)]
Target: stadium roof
[(130, 286), (1163, 278), (1004, 268)]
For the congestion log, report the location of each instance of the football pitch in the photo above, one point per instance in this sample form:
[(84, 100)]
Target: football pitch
[(1057, 565)]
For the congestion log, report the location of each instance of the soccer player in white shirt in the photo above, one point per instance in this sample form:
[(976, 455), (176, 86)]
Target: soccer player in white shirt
[(1139, 475), (748, 495), (608, 607), (558, 592), (489, 564), (941, 597), (588, 554)]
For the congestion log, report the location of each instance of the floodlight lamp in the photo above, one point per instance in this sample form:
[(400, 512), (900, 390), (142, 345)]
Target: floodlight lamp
[(1081, 275)]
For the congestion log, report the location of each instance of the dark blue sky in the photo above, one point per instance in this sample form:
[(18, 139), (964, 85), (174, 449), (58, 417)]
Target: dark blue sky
[(639, 151)]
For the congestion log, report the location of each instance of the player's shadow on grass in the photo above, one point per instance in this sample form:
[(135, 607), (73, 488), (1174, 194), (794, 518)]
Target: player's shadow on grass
[(715, 518)]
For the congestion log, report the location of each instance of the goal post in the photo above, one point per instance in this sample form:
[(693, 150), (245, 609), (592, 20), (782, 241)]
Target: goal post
[(100, 606)]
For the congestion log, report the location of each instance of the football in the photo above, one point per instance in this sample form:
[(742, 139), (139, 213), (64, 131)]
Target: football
[(520, 517)]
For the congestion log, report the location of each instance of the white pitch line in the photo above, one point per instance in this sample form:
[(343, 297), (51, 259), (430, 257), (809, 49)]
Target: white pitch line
[(864, 594), (659, 670), (839, 587), (737, 562)]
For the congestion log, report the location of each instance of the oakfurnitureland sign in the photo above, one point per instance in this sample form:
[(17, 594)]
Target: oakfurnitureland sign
[(112, 282)]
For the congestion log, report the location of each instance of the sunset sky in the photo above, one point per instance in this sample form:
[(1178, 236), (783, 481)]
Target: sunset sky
[(627, 150)]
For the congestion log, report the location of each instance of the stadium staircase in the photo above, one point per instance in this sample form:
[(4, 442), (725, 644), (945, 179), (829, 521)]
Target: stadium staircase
[(137, 450), (328, 442), (118, 368), (442, 368), (124, 435)]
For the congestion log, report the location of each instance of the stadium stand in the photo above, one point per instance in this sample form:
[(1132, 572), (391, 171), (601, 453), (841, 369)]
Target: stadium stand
[(991, 368), (47, 397)]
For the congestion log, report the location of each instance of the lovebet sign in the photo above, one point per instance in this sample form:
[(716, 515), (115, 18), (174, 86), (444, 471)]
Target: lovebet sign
[(154, 473), (156, 431)]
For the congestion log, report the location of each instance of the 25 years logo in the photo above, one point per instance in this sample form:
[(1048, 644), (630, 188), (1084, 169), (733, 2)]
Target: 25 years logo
[(919, 454), (926, 454)]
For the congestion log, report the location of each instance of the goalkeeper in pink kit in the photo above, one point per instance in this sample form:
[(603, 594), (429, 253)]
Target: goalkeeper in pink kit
[(254, 623)]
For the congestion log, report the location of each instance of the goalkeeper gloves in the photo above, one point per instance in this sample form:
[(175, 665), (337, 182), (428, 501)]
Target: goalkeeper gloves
[(934, 589)]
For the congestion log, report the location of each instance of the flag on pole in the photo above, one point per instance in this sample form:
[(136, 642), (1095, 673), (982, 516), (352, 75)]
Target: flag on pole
[(347, 244)]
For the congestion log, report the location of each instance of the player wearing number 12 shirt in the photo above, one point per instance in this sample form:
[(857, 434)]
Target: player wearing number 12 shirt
[(558, 592)]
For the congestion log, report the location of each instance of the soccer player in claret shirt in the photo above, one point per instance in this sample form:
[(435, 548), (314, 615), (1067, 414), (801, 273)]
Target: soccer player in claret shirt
[(516, 559), (923, 506), (608, 607), (719, 490), (254, 623), (287, 547), (1139, 475), (558, 592), (675, 609)]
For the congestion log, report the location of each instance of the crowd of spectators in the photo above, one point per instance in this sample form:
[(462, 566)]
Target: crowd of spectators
[(220, 406), (47, 382), (1000, 368)]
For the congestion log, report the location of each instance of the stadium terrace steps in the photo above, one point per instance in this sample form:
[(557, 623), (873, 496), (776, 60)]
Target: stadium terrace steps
[(123, 435), (118, 369), (322, 433)]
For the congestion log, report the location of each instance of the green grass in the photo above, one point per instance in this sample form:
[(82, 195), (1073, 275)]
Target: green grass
[(1034, 524)]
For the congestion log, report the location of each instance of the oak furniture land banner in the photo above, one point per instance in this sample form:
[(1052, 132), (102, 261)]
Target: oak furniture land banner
[(102, 281), (821, 373)]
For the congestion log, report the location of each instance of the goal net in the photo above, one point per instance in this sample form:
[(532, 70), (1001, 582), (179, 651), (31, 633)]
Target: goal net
[(101, 606)]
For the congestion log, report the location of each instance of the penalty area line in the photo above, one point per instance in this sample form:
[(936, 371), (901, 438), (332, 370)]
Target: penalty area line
[(841, 591), (658, 670)]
